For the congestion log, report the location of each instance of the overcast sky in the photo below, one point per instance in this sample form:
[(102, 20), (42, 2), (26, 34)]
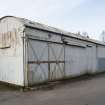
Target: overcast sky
[(70, 15)]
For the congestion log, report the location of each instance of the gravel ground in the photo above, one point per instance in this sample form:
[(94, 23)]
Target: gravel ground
[(89, 91)]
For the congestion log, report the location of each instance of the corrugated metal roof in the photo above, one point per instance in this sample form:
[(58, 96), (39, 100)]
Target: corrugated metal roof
[(44, 27)]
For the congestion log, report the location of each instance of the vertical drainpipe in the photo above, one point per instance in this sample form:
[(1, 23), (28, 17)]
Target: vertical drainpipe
[(64, 45), (64, 61), (25, 65), (48, 61), (49, 78), (96, 51)]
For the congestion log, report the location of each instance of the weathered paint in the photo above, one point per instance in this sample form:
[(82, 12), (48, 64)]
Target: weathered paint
[(37, 51), (11, 51), (33, 53), (79, 57), (76, 63)]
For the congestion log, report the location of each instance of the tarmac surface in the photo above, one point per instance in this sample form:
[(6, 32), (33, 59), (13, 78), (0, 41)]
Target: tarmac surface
[(86, 91)]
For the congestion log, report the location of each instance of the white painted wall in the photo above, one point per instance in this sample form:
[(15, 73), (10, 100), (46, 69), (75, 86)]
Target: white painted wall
[(11, 58), (79, 58)]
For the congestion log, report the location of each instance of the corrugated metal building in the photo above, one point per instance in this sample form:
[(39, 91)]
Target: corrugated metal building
[(32, 53)]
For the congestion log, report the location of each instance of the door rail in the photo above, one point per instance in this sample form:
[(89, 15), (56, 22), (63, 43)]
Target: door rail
[(39, 62)]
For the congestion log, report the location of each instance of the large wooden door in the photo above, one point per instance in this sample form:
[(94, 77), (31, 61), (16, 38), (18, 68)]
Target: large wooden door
[(37, 61), (45, 61), (56, 58)]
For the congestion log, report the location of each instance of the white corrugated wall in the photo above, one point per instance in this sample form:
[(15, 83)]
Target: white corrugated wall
[(11, 51)]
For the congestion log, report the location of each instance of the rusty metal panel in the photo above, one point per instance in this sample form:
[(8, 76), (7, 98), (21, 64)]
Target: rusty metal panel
[(11, 51)]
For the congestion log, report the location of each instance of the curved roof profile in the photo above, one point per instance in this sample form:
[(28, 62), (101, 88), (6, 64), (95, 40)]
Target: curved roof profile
[(47, 28)]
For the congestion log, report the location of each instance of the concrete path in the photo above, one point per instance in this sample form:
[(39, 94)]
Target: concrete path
[(84, 92)]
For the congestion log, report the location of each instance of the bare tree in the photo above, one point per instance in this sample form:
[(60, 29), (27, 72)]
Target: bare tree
[(78, 33), (85, 34), (103, 36)]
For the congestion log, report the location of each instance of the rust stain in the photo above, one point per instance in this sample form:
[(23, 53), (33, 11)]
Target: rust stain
[(9, 38)]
